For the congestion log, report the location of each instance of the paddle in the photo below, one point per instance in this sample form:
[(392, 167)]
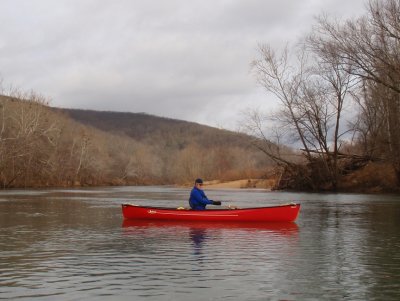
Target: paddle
[(218, 203), (232, 207)]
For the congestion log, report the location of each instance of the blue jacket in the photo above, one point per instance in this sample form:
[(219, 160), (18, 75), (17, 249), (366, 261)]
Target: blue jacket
[(198, 199)]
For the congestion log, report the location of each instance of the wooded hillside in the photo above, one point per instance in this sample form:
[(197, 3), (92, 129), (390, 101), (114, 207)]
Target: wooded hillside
[(44, 146), (153, 129)]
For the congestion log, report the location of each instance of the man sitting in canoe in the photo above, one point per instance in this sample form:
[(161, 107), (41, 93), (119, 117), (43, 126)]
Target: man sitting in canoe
[(198, 199)]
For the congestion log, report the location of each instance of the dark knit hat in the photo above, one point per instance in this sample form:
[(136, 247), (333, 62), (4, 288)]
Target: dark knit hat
[(200, 181)]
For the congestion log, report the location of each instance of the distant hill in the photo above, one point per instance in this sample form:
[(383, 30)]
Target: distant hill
[(145, 127), (46, 146)]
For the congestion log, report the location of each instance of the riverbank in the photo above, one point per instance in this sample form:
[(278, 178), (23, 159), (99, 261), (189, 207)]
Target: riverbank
[(241, 184), (372, 178), (375, 177)]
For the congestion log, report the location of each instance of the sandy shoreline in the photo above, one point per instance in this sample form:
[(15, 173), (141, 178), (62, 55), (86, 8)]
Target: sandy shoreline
[(238, 184)]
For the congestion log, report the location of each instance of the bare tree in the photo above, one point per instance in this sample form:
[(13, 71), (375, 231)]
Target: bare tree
[(26, 138), (311, 94), (368, 48)]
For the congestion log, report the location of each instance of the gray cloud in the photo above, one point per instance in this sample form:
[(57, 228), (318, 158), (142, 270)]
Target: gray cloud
[(179, 59)]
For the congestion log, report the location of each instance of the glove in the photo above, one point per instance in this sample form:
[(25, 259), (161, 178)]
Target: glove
[(217, 203)]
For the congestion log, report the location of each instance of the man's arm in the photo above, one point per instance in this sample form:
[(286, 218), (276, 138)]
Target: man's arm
[(201, 198)]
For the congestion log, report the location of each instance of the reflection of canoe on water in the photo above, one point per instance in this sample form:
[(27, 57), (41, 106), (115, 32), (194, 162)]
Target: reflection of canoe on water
[(281, 227), (282, 213)]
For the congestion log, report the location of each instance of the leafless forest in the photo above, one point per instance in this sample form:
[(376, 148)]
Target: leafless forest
[(339, 94), (44, 146)]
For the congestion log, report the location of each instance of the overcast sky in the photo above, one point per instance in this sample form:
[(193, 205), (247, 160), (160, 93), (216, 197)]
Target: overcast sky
[(180, 59)]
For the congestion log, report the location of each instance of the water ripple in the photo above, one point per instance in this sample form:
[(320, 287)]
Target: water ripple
[(52, 247)]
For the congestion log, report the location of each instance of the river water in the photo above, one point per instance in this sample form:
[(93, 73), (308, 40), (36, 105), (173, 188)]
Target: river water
[(74, 245)]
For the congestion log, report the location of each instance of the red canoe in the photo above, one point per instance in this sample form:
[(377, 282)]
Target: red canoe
[(282, 213)]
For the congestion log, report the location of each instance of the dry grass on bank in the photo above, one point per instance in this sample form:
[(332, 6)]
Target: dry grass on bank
[(238, 184), (373, 178)]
